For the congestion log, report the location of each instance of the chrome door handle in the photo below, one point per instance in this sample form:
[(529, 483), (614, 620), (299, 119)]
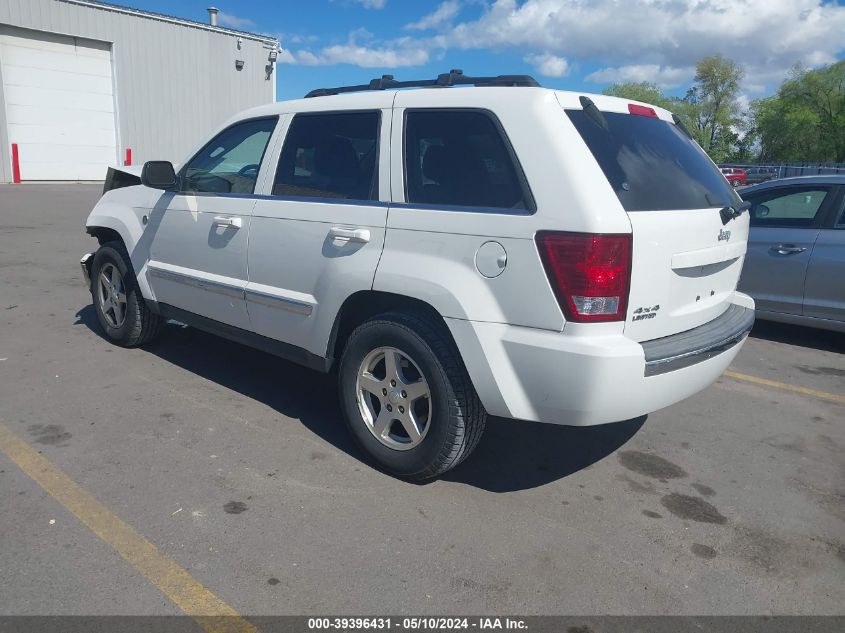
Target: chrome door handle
[(350, 235), (787, 249), (234, 223)]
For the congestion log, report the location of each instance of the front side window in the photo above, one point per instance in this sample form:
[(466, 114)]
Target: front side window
[(793, 207), (460, 157), (330, 156), (230, 162)]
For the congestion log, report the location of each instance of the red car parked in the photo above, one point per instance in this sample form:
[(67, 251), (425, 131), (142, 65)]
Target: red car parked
[(735, 175)]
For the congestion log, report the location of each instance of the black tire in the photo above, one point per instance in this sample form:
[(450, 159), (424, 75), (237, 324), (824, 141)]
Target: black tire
[(457, 418), (139, 325)]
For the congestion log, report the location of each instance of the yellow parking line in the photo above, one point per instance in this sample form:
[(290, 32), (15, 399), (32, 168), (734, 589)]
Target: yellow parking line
[(210, 612), (823, 395)]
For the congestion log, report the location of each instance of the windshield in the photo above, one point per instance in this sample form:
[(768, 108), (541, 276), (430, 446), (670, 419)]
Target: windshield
[(652, 165)]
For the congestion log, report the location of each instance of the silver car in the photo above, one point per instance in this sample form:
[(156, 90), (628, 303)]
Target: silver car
[(795, 266)]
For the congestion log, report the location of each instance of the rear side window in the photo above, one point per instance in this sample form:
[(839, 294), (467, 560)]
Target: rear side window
[(229, 163), (461, 158), (652, 165), (792, 207), (330, 156)]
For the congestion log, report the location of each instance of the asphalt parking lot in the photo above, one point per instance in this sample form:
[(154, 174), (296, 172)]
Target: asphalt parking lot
[(236, 467)]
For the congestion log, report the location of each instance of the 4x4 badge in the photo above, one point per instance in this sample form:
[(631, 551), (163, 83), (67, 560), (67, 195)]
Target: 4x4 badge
[(645, 313), (724, 235)]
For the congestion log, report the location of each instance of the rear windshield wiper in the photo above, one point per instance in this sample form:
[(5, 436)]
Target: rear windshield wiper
[(731, 213), (593, 113), (680, 125)]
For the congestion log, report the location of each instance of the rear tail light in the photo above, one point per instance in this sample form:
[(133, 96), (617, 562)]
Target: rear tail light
[(589, 273)]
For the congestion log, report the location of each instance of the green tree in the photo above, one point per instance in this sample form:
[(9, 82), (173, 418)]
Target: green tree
[(644, 91), (710, 109), (713, 107), (805, 120)]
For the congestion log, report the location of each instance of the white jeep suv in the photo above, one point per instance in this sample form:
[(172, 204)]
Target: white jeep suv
[(501, 249)]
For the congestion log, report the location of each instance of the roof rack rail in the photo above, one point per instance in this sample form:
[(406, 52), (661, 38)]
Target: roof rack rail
[(454, 77)]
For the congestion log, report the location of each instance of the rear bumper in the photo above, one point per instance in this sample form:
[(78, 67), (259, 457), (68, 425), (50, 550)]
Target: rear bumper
[(694, 346), (544, 376)]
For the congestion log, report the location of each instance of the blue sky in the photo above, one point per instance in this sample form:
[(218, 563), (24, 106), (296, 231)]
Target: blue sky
[(571, 44)]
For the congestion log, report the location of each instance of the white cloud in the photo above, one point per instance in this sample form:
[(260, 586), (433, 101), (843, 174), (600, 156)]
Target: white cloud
[(233, 21), (663, 76), (367, 54), (367, 57), (548, 65), (639, 40), (285, 57), (767, 36), (372, 4), (297, 38), (442, 16)]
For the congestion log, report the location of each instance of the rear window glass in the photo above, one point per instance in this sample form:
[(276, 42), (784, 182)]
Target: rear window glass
[(652, 165)]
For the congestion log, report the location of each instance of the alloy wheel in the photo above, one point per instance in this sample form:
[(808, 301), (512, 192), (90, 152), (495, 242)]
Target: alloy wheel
[(111, 293), (394, 398)]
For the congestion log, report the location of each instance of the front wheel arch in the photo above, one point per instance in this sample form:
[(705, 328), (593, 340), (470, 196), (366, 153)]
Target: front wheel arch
[(105, 235)]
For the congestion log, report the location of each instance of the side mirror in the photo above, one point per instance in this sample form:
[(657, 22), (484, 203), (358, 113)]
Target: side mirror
[(159, 174), (761, 211)]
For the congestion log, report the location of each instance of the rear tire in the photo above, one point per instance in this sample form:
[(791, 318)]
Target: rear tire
[(421, 419), (121, 310)]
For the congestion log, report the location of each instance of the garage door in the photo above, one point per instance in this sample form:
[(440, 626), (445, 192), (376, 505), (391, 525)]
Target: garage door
[(59, 105)]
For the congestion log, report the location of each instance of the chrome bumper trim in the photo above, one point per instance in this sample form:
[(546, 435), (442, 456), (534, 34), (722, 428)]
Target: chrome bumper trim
[(85, 264), (699, 344)]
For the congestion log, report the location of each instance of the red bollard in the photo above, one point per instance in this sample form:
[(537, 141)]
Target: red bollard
[(16, 165), (128, 160)]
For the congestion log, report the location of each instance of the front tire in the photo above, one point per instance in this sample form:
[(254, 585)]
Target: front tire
[(407, 397), (121, 310)]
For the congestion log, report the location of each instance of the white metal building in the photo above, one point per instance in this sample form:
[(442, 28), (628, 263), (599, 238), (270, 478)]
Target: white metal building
[(84, 83)]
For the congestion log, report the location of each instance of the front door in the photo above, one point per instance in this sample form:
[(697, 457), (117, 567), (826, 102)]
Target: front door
[(199, 235), (318, 237), (784, 228), (824, 293)]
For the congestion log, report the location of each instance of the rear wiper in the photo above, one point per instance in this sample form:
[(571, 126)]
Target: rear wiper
[(593, 113), (731, 213), (683, 128)]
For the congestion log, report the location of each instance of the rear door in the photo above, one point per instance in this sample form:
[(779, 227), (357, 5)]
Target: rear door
[(824, 290), (785, 223), (686, 262), (317, 238)]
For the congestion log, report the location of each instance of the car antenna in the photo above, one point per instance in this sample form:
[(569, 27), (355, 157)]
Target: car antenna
[(593, 113)]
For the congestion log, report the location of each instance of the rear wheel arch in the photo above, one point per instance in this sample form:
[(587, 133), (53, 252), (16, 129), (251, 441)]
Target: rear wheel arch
[(365, 304)]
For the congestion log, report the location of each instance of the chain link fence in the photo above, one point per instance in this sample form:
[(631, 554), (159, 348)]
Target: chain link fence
[(788, 170)]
